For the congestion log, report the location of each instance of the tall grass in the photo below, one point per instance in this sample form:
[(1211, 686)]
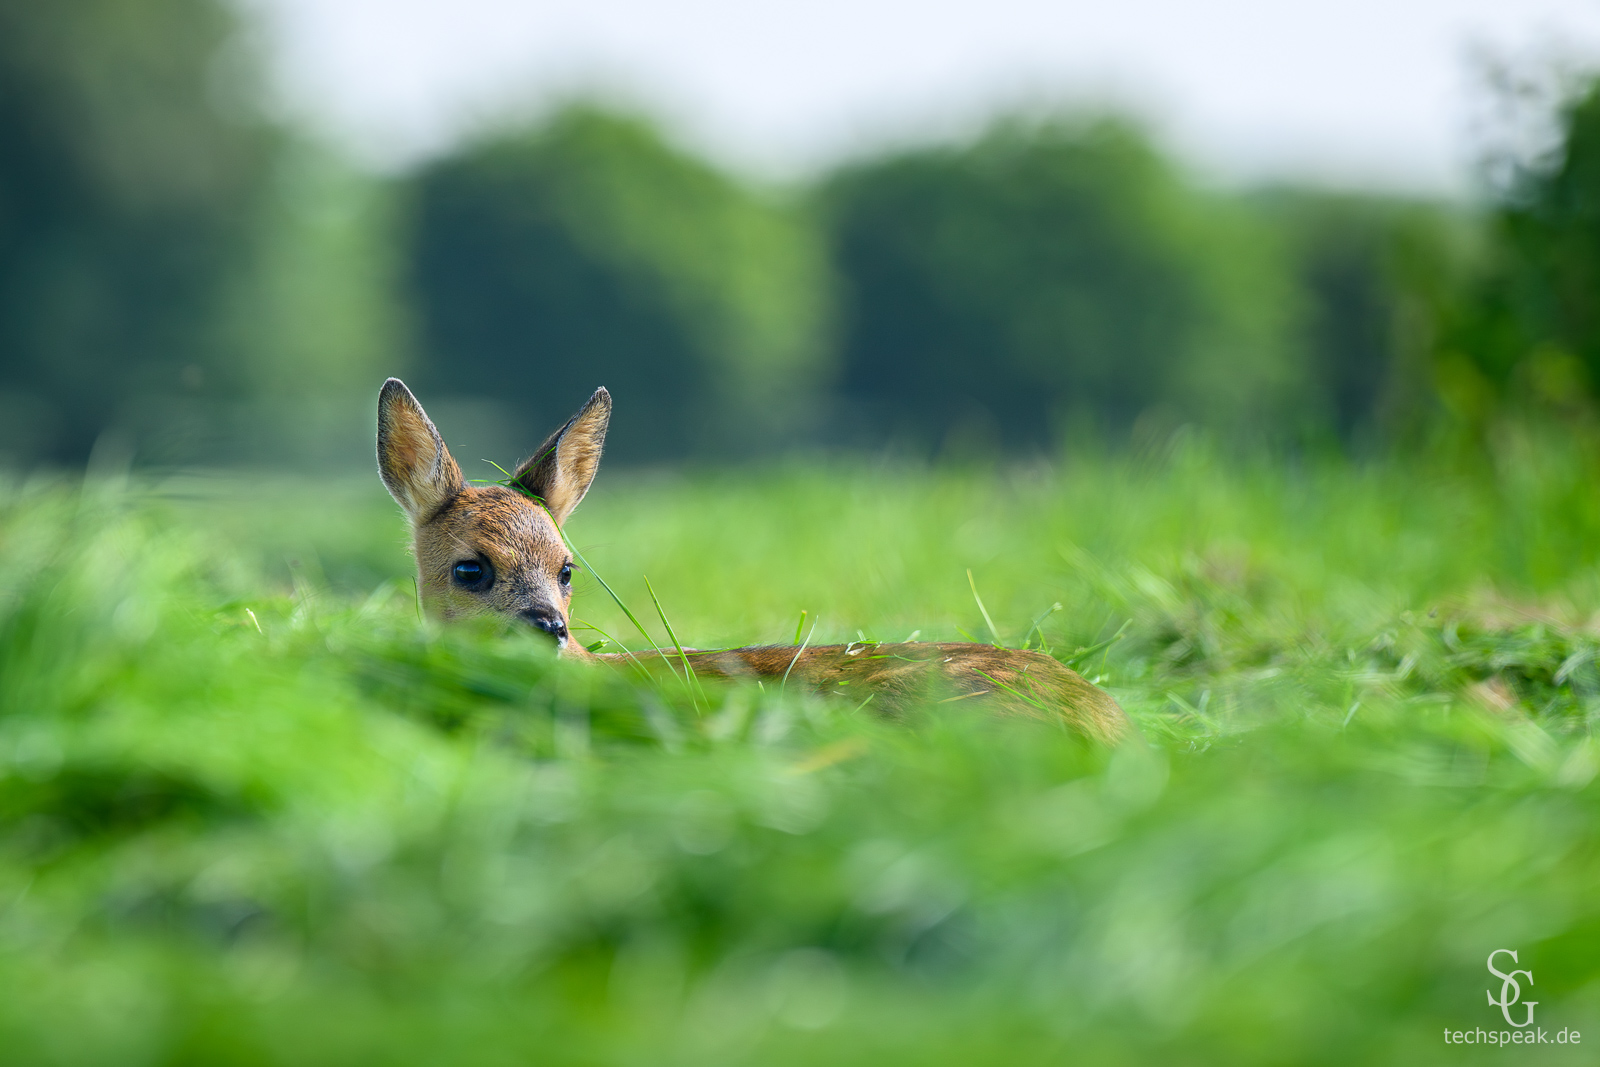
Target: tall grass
[(253, 811)]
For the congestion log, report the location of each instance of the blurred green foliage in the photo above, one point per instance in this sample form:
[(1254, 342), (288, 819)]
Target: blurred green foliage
[(1050, 269), (252, 814), (179, 275), (1525, 335), (131, 168), (1373, 281), (315, 318), (588, 251), (185, 279), (992, 294)]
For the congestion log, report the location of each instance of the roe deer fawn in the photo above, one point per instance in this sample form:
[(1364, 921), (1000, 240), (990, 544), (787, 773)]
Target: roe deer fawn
[(494, 548)]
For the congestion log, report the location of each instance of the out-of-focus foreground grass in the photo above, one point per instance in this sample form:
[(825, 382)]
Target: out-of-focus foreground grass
[(252, 811)]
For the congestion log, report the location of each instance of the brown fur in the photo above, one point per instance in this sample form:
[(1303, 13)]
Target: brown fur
[(896, 679), (518, 544)]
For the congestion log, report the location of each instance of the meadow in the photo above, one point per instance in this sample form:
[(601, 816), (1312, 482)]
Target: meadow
[(255, 810)]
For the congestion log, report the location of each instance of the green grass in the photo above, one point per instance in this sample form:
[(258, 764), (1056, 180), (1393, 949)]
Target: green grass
[(253, 811)]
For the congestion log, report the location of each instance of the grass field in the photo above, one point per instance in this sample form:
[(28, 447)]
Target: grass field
[(253, 811)]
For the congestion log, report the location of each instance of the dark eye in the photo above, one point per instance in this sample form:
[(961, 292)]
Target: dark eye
[(565, 576), (470, 573)]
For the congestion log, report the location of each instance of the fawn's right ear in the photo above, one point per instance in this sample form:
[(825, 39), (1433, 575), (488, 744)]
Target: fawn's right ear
[(416, 467), (563, 468)]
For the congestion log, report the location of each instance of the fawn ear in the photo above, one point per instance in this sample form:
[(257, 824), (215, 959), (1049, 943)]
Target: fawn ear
[(416, 467), (560, 471)]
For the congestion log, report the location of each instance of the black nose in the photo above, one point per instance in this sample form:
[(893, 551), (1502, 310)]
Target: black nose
[(547, 620)]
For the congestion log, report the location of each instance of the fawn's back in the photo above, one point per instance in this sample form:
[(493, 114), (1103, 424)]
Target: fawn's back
[(499, 550)]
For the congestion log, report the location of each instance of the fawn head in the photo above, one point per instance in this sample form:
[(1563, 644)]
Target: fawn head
[(490, 549)]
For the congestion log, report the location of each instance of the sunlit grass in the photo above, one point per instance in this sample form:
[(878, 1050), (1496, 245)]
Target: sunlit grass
[(252, 810)]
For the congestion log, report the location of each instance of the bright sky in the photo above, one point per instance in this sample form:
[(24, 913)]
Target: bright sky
[(1350, 90)]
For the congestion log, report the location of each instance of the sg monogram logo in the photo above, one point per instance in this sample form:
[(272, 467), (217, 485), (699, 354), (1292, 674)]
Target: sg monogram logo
[(1510, 989), (1520, 1033)]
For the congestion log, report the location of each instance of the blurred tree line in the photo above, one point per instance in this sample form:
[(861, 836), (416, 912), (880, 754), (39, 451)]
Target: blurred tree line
[(179, 273), (1523, 335), (588, 251), (185, 274), (128, 177)]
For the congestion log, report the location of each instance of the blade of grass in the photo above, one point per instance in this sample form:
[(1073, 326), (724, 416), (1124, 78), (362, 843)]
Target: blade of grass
[(1025, 697), (1038, 623), (605, 638), (637, 625), (801, 625), (983, 610), (1082, 654), (644, 672), (687, 670), (511, 483), (798, 653)]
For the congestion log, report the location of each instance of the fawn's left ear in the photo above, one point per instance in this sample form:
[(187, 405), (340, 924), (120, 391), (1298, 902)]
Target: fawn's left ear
[(418, 470), (561, 471)]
